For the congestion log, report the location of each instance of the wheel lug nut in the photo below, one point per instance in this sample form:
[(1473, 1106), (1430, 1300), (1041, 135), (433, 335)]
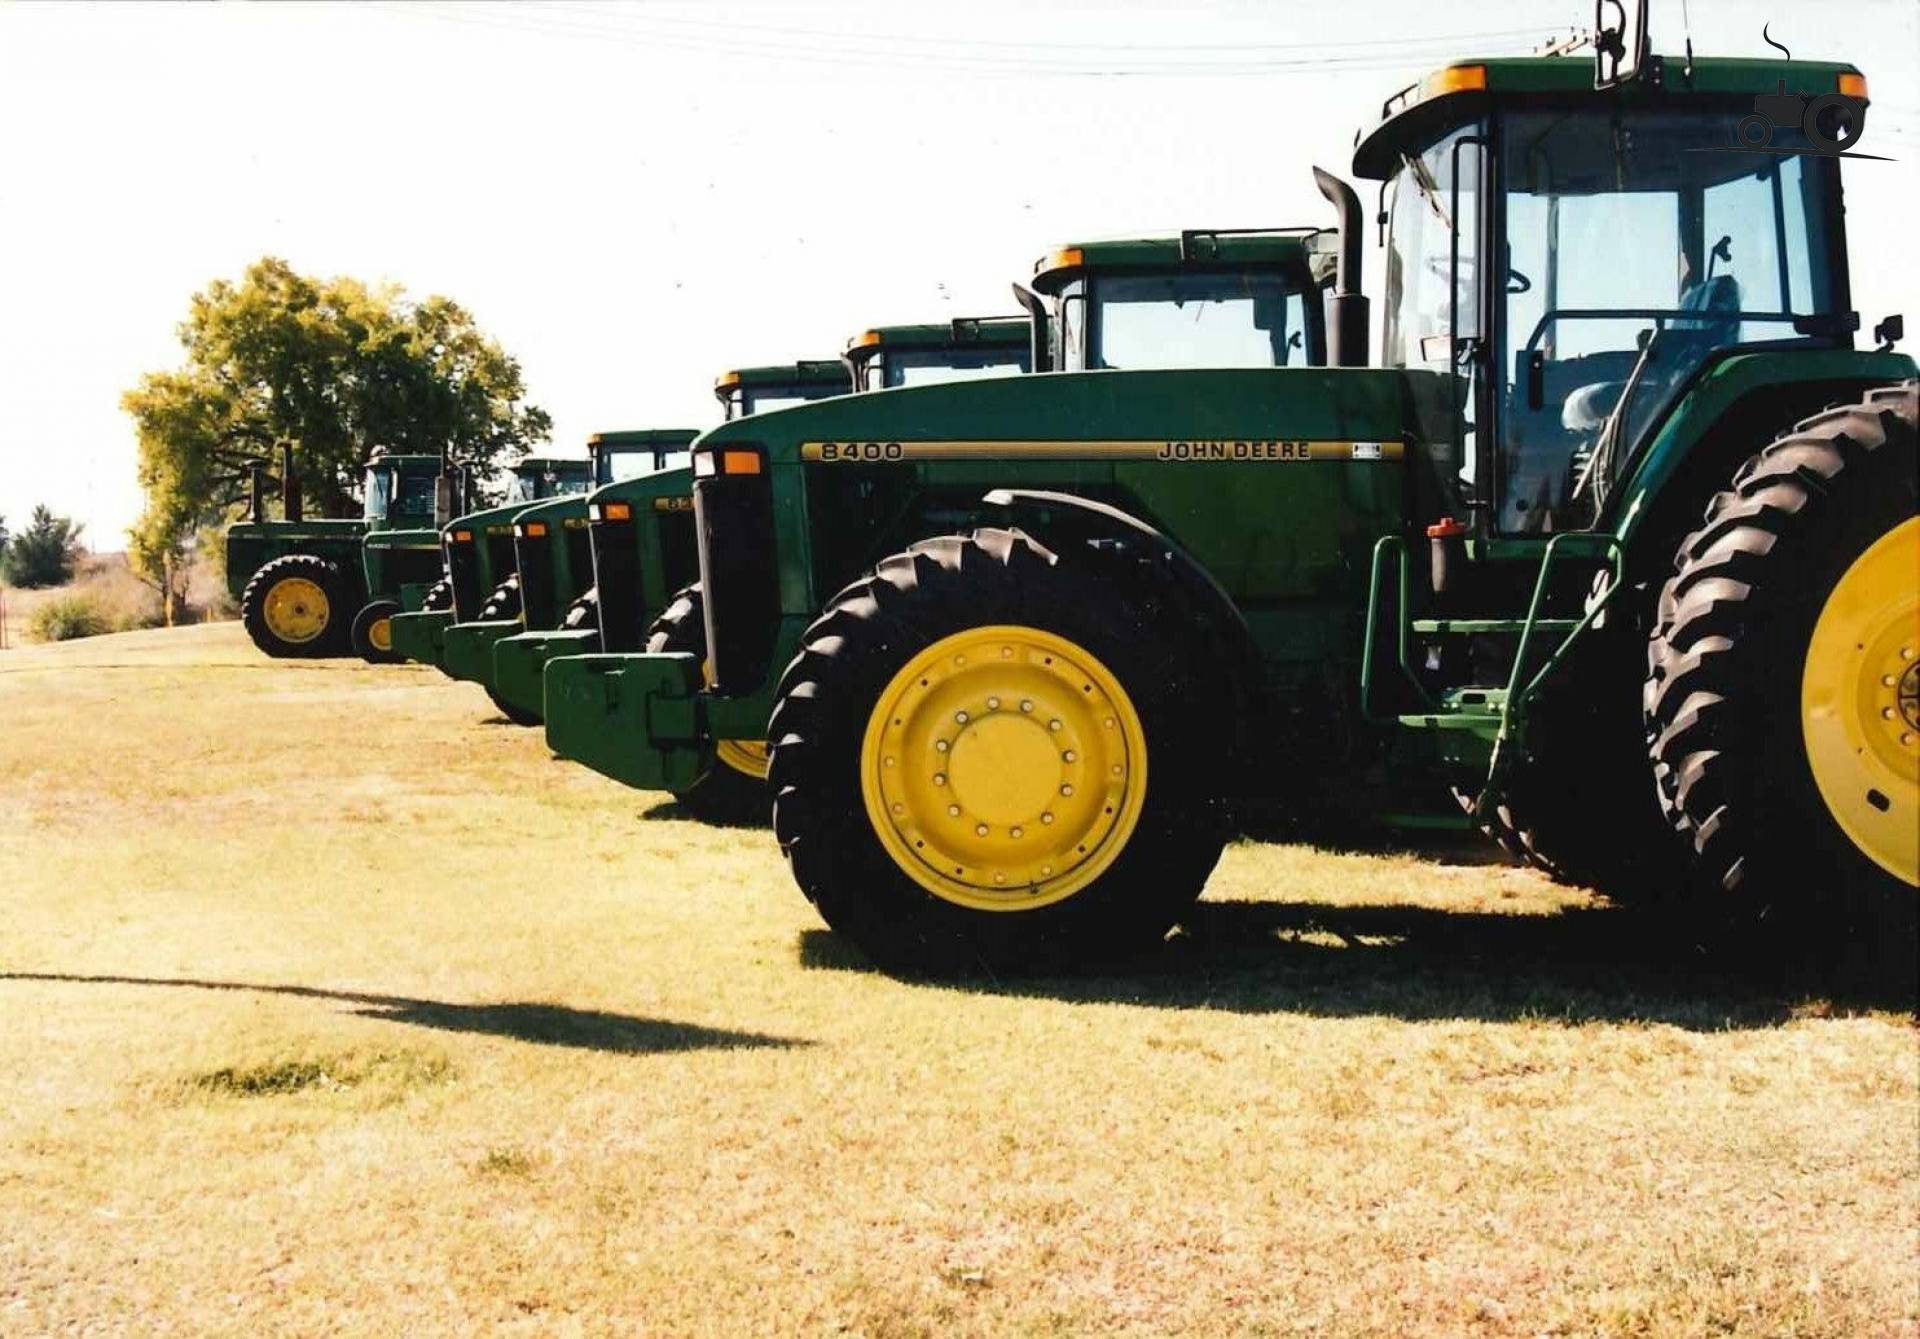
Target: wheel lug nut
[(999, 878), (1064, 757), (993, 704), (939, 746), (889, 762), (1006, 653), (960, 716), (1109, 722), (1054, 724), (939, 778), (953, 811), (1015, 832), (899, 808), (1046, 818), (1046, 869), (1026, 706), (1066, 790), (980, 830)]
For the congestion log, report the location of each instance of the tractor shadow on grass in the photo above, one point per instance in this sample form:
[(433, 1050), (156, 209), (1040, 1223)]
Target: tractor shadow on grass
[(1421, 964), (540, 1024)]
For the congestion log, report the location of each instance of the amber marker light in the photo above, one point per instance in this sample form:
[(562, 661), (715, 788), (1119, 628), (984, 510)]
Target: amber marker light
[(1454, 79)]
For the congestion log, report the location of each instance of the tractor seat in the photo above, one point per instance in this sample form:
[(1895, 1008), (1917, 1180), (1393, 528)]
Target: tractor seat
[(1588, 406)]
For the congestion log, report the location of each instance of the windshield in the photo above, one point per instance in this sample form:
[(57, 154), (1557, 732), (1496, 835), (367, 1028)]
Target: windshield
[(613, 466), (532, 484), (763, 399), (416, 495), (928, 366), (379, 496), (1638, 245), (1197, 320)]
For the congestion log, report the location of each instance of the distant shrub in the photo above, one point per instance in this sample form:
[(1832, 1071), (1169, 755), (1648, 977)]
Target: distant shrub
[(66, 618)]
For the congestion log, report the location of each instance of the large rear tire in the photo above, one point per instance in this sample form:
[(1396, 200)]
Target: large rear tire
[(296, 605), (733, 789), (504, 603), (1781, 703), (989, 755)]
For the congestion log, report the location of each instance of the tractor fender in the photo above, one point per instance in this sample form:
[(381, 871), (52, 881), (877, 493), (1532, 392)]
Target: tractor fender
[(1066, 521)]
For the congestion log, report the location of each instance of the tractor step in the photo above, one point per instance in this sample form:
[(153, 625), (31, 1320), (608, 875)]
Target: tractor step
[(1444, 626)]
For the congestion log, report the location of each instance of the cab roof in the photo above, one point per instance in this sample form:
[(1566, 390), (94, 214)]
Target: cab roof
[(1194, 247), (1420, 113), (806, 372), (643, 437), (962, 332), (558, 464), (408, 460)]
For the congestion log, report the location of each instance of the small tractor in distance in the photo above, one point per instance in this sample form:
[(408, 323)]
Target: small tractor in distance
[(477, 558), (1618, 540), (303, 584)]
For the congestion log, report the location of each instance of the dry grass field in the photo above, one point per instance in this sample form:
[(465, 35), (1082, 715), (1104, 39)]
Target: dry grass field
[(332, 1005)]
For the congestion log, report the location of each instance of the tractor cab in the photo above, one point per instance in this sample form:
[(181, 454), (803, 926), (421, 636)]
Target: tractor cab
[(958, 350), (618, 456), (537, 478), (755, 390), (1199, 298), (1573, 258), (400, 490)]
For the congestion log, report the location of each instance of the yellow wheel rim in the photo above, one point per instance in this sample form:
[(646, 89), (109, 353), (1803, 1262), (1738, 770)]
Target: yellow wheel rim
[(296, 610), (744, 755), (1004, 768), (1860, 702), (380, 634)]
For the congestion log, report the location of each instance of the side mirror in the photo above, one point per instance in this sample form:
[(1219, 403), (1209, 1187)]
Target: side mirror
[(1619, 41), (1890, 332)]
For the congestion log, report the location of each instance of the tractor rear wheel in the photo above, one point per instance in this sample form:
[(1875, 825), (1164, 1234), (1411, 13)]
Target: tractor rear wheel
[(986, 754), (373, 633), (733, 789), (296, 606), (1782, 700)]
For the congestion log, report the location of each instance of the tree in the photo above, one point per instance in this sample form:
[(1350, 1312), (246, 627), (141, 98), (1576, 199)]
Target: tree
[(333, 367), (45, 552)]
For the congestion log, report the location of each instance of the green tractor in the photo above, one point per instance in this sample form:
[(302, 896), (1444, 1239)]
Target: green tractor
[(305, 586), (664, 528), (477, 560), (1618, 541), (549, 584), (1170, 293)]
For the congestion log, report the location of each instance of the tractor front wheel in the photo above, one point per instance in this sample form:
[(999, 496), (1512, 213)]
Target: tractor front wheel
[(1782, 700), (733, 789), (373, 633), (504, 603), (294, 606), (986, 754)]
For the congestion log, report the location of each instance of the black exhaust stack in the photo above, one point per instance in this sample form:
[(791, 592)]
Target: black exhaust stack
[(1037, 310), (289, 484), (1347, 316), (256, 490)]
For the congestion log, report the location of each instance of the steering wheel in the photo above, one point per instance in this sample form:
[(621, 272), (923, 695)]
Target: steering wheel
[(1518, 282)]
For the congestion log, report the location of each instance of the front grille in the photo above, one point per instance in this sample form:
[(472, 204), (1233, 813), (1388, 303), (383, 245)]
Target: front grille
[(739, 576), (463, 571), (533, 558), (616, 572)]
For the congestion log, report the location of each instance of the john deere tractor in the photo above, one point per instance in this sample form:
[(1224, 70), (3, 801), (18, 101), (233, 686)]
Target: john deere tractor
[(1618, 541), (551, 573), (1274, 276), (477, 558), (303, 584)]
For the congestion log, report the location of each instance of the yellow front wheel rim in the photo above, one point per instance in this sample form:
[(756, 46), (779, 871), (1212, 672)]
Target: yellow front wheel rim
[(748, 756), (296, 610), (1860, 702), (380, 634), (1004, 768)]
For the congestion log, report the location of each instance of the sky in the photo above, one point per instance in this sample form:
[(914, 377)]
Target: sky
[(635, 197)]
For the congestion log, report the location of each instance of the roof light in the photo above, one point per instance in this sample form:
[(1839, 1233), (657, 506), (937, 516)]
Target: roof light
[(865, 340), (727, 379), (534, 529), (1454, 79), (462, 536), (1853, 84), (615, 511), (740, 462), (1065, 258)]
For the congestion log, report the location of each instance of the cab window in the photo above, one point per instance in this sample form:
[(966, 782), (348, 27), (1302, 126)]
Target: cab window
[(1198, 320)]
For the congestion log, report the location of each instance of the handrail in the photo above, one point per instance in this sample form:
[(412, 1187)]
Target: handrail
[(1402, 629)]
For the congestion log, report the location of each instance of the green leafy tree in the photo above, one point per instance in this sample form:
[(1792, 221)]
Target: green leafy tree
[(45, 552), (333, 367)]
